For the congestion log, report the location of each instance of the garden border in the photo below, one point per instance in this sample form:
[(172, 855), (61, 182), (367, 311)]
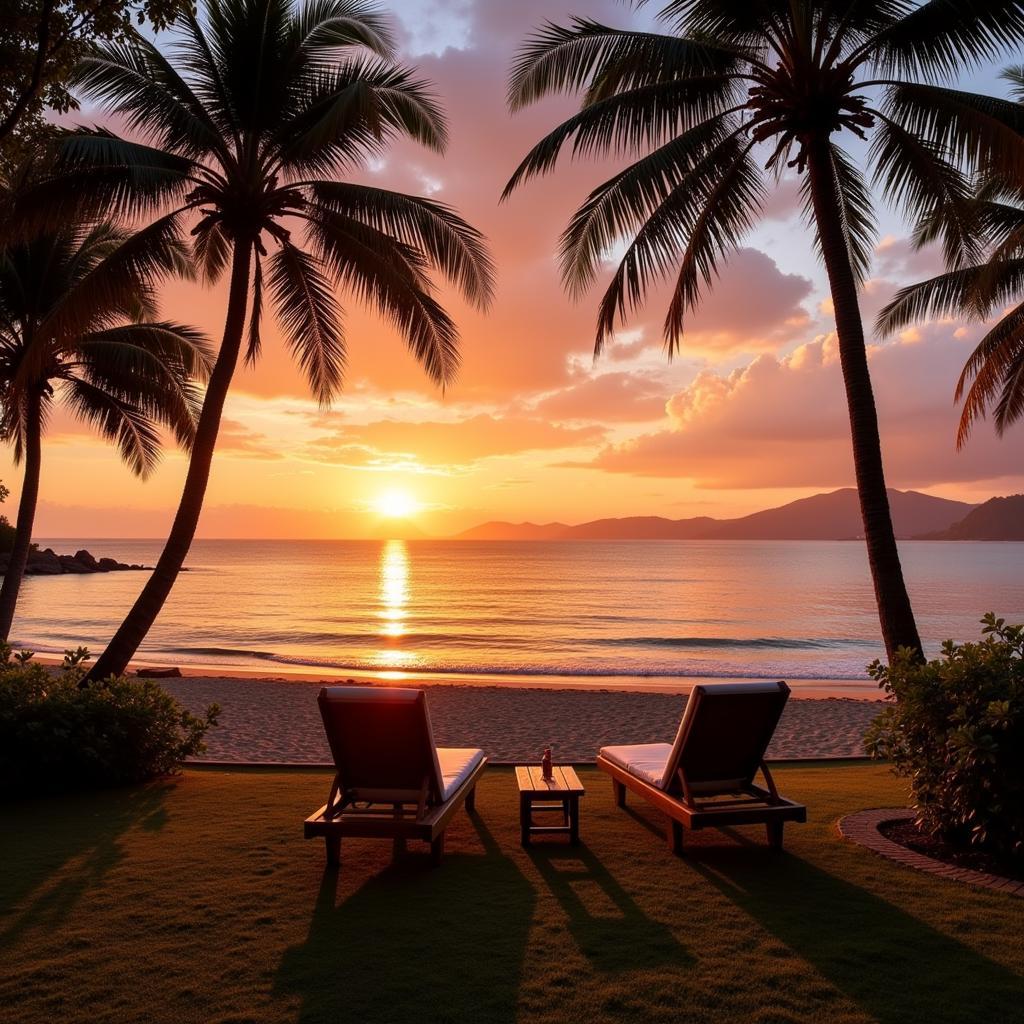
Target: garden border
[(861, 827)]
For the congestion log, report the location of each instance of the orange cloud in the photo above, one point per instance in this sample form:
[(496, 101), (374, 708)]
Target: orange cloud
[(783, 423)]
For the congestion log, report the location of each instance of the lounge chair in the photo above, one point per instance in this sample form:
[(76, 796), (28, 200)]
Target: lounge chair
[(706, 777), (392, 782)]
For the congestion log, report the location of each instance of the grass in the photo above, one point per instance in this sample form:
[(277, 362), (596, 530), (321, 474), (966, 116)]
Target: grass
[(198, 900)]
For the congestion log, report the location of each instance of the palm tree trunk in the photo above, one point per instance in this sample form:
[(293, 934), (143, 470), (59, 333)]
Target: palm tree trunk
[(114, 660), (894, 611), (26, 513)]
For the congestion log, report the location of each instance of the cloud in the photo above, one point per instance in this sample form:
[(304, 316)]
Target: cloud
[(468, 440), (620, 397), (782, 422)]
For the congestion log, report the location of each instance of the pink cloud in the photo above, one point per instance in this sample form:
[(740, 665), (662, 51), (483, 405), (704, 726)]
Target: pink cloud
[(783, 423)]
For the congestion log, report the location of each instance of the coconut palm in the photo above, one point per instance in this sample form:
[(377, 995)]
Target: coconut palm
[(248, 133), (64, 340), (733, 89), (993, 377)]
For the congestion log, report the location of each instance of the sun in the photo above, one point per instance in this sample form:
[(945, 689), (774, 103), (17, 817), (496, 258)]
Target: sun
[(396, 504)]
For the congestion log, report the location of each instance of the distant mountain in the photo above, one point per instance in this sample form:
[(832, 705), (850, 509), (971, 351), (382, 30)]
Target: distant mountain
[(832, 516), (996, 519), (496, 530), (836, 516)]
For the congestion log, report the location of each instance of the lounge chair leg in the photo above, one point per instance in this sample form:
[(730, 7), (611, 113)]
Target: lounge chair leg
[(675, 837), (471, 801), (437, 849), (620, 793), (398, 847), (333, 844), (774, 829)]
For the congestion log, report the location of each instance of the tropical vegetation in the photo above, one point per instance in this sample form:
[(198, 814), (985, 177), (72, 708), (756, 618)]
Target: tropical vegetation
[(41, 41), (57, 735), (955, 729), (727, 100), (78, 327), (248, 133), (982, 290)]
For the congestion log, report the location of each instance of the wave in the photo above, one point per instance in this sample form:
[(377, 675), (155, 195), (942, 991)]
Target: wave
[(508, 669)]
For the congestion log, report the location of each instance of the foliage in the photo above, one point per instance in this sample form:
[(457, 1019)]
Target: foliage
[(732, 90), (990, 288), (41, 41), (78, 324), (243, 133), (955, 728), (57, 735)]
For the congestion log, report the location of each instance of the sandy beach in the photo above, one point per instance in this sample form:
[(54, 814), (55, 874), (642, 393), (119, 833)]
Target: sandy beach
[(278, 720)]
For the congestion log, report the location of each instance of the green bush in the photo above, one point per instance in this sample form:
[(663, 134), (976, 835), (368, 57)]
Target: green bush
[(56, 735), (955, 728)]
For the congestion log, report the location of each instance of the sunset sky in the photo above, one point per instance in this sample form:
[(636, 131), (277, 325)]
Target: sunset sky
[(751, 414)]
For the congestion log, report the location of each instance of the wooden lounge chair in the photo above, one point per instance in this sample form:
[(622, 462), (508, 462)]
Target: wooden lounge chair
[(706, 777), (391, 781)]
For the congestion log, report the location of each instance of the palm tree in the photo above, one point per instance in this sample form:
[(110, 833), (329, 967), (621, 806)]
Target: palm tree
[(248, 134), (735, 88), (63, 339), (994, 374)]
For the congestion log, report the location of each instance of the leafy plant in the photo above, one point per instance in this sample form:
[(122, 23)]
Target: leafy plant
[(56, 735), (955, 728), (75, 658)]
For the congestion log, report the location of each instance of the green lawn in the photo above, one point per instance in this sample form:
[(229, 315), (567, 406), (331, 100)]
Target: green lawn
[(198, 900)]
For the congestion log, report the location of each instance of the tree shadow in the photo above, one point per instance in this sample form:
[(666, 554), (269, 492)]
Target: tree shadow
[(609, 927), (55, 849), (895, 966), (416, 943)]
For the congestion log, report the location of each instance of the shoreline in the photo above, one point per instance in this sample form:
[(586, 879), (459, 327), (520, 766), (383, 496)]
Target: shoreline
[(802, 689)]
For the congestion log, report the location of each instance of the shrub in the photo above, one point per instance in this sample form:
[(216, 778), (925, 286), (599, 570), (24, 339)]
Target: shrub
[(56, 735), (955, 728)]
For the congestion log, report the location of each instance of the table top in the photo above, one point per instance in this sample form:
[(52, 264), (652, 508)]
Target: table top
[(564, 780)]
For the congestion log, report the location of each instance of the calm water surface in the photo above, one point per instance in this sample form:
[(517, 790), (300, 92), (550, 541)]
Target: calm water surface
[(625, 612)]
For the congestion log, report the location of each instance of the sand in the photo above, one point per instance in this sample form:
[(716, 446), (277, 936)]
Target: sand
[(278, 720)]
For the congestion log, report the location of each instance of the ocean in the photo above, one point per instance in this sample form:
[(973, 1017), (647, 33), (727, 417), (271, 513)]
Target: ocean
[(623, 614)]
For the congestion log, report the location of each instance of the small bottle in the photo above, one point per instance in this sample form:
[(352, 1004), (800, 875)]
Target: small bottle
[(545, 763)]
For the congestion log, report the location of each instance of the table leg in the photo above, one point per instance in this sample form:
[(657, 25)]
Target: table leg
[(574, 821), (524, 819)]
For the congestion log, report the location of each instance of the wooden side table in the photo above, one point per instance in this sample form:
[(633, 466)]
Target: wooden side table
[(560, 793)]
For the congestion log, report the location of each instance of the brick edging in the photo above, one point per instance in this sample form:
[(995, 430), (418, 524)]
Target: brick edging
[(862, 827)]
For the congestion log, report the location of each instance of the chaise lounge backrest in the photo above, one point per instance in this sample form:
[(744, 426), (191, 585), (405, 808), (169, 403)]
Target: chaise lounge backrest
[(723, 736), (382, 743)]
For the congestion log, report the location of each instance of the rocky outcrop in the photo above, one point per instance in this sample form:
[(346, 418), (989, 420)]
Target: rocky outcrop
[(48, 563)]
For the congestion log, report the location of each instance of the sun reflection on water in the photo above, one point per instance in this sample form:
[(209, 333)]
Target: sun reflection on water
[(394, 598)]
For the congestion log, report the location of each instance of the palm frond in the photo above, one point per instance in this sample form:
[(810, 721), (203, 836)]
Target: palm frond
[(557, 59), (988, 372), (255, 343), (982, 133), (310, 316), (951, 294), (118, 421), (322, 27), (451, 244), (383, 272), (134, 79), (728, 212), (918, 176), (619, 207), (627, 122), (353, 110), (940, 38)]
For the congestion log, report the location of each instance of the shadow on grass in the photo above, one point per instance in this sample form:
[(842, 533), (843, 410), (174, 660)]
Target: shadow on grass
[(74, 841), (607, 925), (895, 966), (416, 943)]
